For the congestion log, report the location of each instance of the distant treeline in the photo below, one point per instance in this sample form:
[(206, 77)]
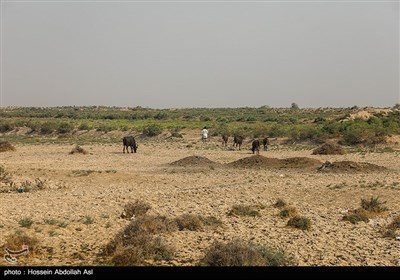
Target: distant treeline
[(316, 125)]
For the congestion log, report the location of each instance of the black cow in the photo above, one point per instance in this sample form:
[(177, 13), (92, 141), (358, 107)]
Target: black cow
[(129, 141), (237, 141), (225, 139), (255, 146), (265, 143)]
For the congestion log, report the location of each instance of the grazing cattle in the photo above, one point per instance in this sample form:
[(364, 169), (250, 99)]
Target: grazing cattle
[(255, 147), (225, 140), (237, 141), (265, 143), (129, 141)]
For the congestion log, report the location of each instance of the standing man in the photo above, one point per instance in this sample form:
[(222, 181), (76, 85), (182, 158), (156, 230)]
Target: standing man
[(204, 134)]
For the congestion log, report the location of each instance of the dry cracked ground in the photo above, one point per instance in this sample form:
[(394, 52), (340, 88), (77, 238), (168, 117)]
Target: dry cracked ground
[(80, 209)]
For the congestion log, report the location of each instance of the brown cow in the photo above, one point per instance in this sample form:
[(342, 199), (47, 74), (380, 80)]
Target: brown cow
[(225, 139), (237, 141), (265, 143), (255, 146)]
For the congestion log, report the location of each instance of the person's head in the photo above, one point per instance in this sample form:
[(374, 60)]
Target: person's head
[(205, 127)]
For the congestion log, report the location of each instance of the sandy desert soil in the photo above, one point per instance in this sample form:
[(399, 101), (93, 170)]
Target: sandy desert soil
[(172, 190)]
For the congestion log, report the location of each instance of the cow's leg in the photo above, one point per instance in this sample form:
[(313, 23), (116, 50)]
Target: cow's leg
[(131, 149), (123, 150)]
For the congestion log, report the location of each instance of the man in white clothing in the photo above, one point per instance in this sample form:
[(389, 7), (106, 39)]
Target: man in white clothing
[(204, 134)]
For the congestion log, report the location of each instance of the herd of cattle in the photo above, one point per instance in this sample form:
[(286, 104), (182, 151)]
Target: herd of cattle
[(129, 141)]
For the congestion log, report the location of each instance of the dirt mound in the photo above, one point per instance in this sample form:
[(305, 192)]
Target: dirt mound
[(255, 161), (349, 166), (329, 149), (299, 162), (6, 146), (194, 161), (78, 150), (264, 162)]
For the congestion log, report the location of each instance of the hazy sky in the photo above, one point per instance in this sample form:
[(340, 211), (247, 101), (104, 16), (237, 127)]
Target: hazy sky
[(174, 54)]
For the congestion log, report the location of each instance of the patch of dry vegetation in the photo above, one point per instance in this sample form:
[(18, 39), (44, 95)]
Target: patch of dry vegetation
[(135, 209), (241, 253), (280, 203), (140, 241), (369, 208), (300, 222), (288, 212), (6, 146), (194, 222), (245, 210)]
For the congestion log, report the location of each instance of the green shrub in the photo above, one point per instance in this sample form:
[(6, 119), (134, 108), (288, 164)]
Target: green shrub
[(47, 128), (84, 126), (152, 130), (64, 127)]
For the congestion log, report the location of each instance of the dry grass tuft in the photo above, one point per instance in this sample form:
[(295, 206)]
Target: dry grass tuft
[(280, 203), (369, 209), (240, 253), (6, 146), (135, 209), (300, 222), (190, 222), (358, 215), (140, 241), (244, 210), (288, 212)]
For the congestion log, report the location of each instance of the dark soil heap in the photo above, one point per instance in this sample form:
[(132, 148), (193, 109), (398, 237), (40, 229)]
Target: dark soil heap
[(258, 161), (194, 161), (329, 149), (349, 166)]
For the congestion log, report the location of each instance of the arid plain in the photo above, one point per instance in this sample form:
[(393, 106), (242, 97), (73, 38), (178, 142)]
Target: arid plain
[(85, 195)]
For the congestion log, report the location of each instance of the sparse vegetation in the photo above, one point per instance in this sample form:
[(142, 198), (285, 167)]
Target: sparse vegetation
[(288, 212), (244, 210), (373, 205), (300, 222), (87, 220), (53, 233), (280, 203), (26, 222), (298, 124), (135, 209), (369, 208), (152, 130), (190, 222), (240, 253), (140, 241), (359, 215)]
